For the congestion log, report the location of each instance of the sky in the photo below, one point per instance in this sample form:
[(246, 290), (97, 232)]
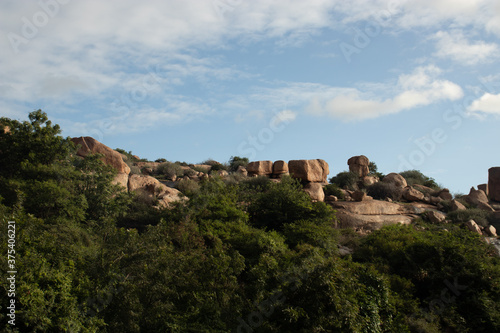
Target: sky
[(411, 84)]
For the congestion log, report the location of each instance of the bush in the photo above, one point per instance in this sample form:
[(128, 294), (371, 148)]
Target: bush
[(381, 191), (481, 217), (170, 170), (346, 179), (333, 189), (161, 160), (416, 177), (236, 162), (190, 172), (188, 187)]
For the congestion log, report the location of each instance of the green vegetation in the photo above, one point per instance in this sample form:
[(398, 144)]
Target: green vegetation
[(346, 180), (414, 177), (235, 162), (333, 189), (247, 256)]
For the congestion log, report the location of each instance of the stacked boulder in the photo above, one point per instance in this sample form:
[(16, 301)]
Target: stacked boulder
[(359, 165), (312, 173)]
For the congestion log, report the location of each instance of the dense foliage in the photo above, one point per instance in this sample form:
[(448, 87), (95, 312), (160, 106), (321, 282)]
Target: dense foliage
[(248, 256)]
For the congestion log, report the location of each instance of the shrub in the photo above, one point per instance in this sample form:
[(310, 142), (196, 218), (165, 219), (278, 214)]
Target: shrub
[(381, 191), (260, 183), (189, 172), (218, 167), (333, 189), (236, 162), (481, 217), (416, 177), (346, 179), (161, 160), (188, 187), (170, 170), (373, 168)]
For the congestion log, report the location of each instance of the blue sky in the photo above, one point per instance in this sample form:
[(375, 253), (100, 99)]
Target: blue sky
[(410, 84)]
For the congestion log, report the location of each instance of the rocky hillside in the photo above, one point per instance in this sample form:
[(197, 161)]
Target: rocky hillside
[(395, 202)]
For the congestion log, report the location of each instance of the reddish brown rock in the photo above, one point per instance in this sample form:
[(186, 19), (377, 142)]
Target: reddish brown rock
[(309, 170), (412, 194), (396, 179), (445, 194), (475, 197), (494, 183), (484, 188), (260, 168), (315, 191), (435, 217), (472, 226), (491, 231), (280, 168), (150, 189), (359, 165), (457, 205), (110, 157), (122, 180)]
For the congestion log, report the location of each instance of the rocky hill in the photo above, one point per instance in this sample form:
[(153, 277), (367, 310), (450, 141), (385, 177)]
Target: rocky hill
[(354, 206)]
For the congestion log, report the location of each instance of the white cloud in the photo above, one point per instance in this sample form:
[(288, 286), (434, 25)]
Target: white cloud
[(455, 46), (488, 103), (285, 116), (420, 88)]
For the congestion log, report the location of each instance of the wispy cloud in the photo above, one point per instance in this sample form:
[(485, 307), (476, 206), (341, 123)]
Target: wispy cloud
[(455, 46), (420, 88)]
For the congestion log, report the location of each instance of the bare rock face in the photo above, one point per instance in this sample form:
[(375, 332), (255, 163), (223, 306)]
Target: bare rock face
[(476, 197), (491, 231), (309, 170), (472, 226), (494, 183), (111, 157), (436, 217), (150, 188), (445, 194), (412, 194), (484, 188), (360, 196), (260, 168), (122, 180), (359, 165), (315, 191), (457, 205), (396, 179), (280, 168)]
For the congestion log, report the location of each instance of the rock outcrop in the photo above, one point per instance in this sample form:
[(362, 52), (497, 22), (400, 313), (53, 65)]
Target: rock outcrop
[(150, 188), (494, 183), (260, 168), (359, 165), (369, 215), (314, 171), (280, 168), (110, 157), (412, 194), (315, 191), (396, 179)]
